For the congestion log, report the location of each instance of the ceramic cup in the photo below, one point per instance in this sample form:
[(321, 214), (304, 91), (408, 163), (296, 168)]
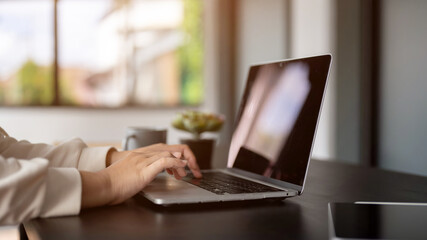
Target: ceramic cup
[(137, 137)]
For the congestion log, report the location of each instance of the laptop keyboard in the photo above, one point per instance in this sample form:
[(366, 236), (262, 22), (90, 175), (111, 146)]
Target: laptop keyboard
[(221, 183)]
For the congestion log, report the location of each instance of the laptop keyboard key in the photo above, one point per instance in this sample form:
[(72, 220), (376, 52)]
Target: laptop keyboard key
[(221, 183)]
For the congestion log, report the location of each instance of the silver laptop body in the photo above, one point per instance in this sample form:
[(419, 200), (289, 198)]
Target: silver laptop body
[(273, 135)]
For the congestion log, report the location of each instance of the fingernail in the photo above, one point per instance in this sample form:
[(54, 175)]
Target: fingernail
[(185, 161)]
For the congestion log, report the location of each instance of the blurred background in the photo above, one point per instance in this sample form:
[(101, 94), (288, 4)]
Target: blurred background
[(89, 69)]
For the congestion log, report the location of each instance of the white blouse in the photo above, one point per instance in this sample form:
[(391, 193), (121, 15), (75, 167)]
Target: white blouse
[(41, 180)]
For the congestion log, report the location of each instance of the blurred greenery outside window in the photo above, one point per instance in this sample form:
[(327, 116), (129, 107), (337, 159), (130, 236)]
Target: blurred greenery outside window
[(111, 53)]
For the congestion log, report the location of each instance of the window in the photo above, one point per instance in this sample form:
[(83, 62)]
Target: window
[(26, 52), (110, 53)]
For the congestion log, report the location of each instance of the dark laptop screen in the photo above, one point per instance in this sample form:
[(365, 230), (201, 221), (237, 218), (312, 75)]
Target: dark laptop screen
[(277, 119)]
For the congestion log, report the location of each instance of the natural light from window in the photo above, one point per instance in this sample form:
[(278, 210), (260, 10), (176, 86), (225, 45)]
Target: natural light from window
[(111, 53)]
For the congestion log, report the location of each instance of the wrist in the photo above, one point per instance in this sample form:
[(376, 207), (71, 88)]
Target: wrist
[(96, 189), (106, 184)]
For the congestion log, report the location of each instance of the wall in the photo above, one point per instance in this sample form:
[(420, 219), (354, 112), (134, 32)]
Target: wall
[(403, 116), (348, 81), (92, 125)]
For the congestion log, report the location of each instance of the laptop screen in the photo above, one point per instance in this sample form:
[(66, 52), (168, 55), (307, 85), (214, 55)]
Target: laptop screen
[(277, 120)]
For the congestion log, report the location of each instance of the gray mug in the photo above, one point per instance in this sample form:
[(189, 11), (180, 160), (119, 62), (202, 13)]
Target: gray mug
[(137, 137)]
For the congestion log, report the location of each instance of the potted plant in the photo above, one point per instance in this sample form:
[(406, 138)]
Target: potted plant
[(197, 123)]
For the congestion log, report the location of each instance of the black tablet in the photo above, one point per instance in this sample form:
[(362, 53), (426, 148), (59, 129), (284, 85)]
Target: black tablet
[(368, 220)]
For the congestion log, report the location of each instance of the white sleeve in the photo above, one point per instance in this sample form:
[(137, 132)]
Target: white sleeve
[(29, 189), (74, 153)]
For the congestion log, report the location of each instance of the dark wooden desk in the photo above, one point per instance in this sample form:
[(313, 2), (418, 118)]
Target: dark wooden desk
[(303, 217)]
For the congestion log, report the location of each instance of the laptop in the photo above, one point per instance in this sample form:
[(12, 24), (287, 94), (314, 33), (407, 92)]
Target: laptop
[(272, 140)]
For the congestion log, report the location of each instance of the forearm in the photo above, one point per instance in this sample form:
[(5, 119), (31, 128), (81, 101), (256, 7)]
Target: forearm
[(96, 189), (73, 153), (63, 155), (29, 188)]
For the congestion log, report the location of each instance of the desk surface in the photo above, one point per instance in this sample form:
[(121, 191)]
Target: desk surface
[(302, 217)]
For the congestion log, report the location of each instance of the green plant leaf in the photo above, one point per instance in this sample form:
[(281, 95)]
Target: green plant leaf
[(197, 122)]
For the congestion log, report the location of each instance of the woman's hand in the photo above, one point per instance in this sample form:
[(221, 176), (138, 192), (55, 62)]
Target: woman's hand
[(128, 172), (179, 151)]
